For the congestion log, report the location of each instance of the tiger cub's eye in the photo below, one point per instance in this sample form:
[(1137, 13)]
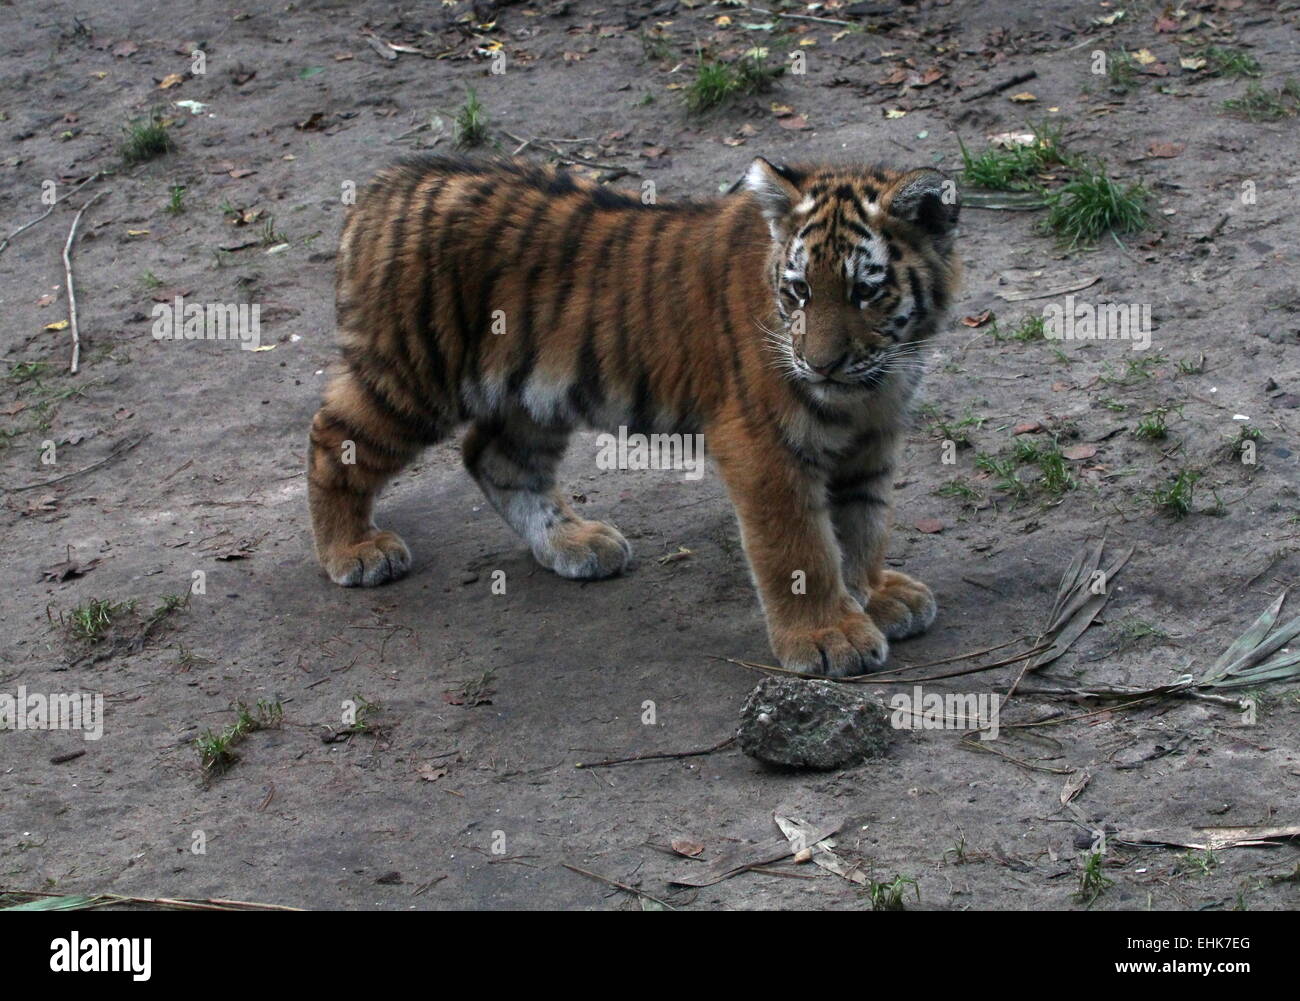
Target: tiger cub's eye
[(863, 293), (798, 291)]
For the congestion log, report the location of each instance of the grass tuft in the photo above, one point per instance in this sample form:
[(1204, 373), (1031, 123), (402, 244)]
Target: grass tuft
[(145, 139), (1092, 205), (471, 122), (717, 83), (1260, 105), (1221, 61), (1017, 168), (1175, 497)]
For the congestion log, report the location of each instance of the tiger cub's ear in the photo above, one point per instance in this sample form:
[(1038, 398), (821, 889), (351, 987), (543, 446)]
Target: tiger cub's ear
[(929, 201), (776, 189)]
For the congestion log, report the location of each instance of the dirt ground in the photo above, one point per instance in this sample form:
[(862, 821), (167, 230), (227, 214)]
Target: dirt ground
[(460, 791)]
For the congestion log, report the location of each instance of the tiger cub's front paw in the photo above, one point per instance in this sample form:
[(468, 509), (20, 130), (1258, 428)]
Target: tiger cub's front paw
[(376, 560), (852, 645), (584, 550), (901, 605)]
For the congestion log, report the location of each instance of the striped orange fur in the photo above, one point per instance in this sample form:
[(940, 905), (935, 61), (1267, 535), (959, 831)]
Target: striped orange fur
[(783, 321)]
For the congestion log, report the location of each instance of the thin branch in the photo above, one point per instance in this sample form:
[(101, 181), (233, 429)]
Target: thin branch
[(618, 886), (28, 225), (658, 757), (803, 17), (116, 453), (67, 271)]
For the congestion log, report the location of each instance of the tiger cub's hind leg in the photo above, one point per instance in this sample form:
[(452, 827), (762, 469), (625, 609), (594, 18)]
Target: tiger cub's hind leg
[(514, 462), (359, 441)]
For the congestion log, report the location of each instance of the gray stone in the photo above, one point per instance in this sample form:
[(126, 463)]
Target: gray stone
[(795, 723)]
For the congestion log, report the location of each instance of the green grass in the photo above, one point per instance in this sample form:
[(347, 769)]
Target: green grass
[(959, 490), (216, 750), (1132, 631), (1017, 168), (1153, 425), (956, 431), (175, 200), (1260, 105), (1135, 370), (145, 139), (1121, 74), (1092, 881), (1092, 205), (1175, 497), (91, 621), (1202, 862), (1247, 436), (1005, 477), (270, 235), (1032, 328), (889, 896), (28, 371), (1221, 61), (717, 83), (471, 122), (1056, 478), (365, 711)]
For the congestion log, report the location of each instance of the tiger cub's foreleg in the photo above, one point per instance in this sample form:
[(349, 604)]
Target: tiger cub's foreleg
[(860, 499), (514, 461), (359, 441), (814, 623)]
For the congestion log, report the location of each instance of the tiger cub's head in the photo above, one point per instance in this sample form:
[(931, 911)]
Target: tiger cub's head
[(862, 267)]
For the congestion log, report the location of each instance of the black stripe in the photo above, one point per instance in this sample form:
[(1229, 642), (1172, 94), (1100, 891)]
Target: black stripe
[(919, 309), (854, 480), (842, 498), (569, 248)]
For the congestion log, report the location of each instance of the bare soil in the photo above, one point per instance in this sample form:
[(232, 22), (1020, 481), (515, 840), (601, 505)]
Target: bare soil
[(463, 782)]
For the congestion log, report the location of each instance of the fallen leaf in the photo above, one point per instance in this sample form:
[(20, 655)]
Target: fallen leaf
[(1077, 453), (979, 319), (430, 773), (1024, 97), (57, 325), (796, 123), (1029, 427), (1145, 56), (1165, 150), (930, 526), (1074, 785), (171, 80), (68, 570), (691, 849)]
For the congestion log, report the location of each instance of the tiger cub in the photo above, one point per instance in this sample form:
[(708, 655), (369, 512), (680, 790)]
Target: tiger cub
[(783, 321)]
